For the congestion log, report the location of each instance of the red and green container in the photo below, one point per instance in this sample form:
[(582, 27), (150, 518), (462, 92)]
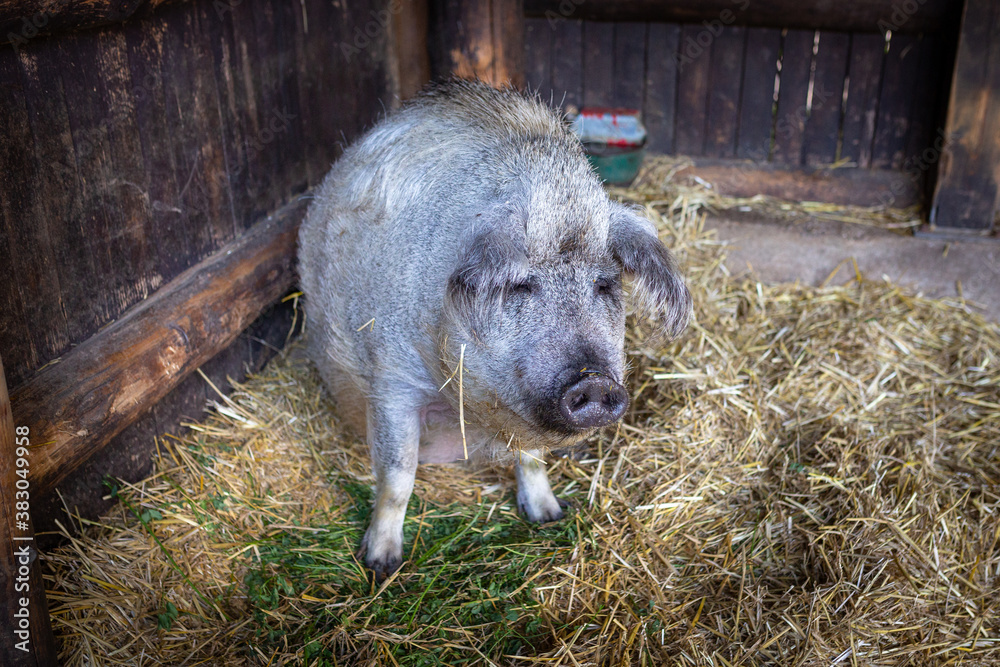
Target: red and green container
[(615, 142)]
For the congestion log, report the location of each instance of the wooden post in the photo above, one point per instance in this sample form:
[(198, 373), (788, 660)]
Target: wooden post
[(966, 195), (25, 631), (483, 40)]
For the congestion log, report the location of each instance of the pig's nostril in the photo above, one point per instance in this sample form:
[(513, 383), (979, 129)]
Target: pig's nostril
[(594, 401)]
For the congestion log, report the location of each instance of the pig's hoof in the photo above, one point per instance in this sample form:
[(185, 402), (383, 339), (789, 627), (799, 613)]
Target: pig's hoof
[(382, 559), (541, 510)]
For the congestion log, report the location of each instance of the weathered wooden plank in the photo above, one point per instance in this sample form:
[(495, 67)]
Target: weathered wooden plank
[(928, 109), (197, 156), (95, 212), (898, 84), (23, 20), (822, 133), (760, 67), (136, 277), (315, 157), (567, 62), (726, 75), (968, 186), (145, 46), (412, 63), (477, 40), (861, 15), (508, 42), (630, 64), (55, 187), (290, 121), (598, 64), (76, 406), (661, 86), (538, 58), (693, 71), (33, 329), (15, 340), (859, 187), (865, 71), (351, 17), (107, 205), (267, 84), (234, 106), (333, 103), (793, 94), (25, 631)]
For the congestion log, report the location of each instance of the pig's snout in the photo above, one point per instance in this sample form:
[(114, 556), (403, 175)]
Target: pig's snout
[(594, 401)]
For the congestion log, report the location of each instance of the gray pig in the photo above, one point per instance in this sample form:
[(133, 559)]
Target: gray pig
[(462, 259)]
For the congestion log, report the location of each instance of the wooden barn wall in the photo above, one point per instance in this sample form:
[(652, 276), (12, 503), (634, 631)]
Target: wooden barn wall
[(131, 152), (790, 97)]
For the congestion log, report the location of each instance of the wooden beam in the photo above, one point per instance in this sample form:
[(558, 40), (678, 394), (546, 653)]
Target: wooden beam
[(850, 15), (76, 406), (411, 65), (482, 40), (23, 20), (857, 187), (968, 185), (25, 631)]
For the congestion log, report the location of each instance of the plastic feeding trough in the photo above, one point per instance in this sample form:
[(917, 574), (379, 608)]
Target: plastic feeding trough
[(615, 142)]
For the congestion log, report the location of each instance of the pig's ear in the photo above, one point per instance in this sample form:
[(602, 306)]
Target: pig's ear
[(657, 288), (491, 263)]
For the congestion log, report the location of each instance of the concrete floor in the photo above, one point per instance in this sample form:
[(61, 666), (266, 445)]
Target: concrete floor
[(809, 251)]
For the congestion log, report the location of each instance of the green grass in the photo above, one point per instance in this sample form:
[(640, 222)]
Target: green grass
[(467, 576)]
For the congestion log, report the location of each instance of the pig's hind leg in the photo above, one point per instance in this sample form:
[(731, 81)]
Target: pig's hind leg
[(393, 439), (534, 494)]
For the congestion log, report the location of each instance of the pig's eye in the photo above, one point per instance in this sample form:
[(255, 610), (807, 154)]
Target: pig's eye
[(604, 286), (525, 287)]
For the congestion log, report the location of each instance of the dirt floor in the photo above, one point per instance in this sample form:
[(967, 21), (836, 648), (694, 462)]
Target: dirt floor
[(810, 251)]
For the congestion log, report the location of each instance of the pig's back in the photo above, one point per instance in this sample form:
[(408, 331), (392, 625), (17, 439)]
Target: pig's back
[(385, 230)]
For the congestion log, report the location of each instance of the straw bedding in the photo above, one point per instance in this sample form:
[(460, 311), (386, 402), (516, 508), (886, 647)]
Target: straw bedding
[(809, 476)]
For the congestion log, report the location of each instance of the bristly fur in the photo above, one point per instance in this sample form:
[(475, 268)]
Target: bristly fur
[(658, 290), (469, 225)]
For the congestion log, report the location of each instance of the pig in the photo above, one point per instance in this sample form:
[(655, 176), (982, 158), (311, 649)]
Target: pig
[(463, 270)]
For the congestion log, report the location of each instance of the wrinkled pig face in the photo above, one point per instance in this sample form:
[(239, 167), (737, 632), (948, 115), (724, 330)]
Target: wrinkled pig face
[(560, 331), (546, 322)]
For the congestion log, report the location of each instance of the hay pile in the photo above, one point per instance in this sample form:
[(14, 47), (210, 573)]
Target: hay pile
[(807, 477), (659, 177)]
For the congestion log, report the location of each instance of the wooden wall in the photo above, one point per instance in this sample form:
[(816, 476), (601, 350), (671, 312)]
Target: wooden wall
[(792, 97), (129, 153), (132, 151)]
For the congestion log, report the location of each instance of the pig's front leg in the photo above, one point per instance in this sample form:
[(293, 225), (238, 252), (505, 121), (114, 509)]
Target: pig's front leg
[(534, 495), (394, 441)]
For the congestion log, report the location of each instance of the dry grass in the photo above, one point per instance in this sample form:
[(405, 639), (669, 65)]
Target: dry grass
[(807, 477), (658, 177)]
